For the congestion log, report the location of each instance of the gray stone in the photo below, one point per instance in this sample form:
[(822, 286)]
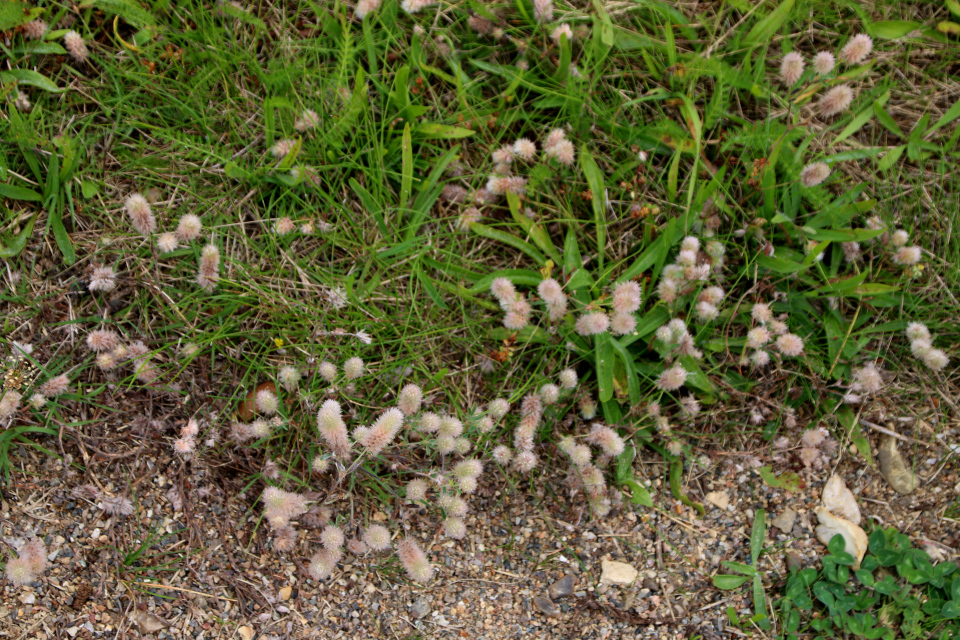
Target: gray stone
[(546, 606), (420, 608), (893, 468), (562, 587), (785, 520)]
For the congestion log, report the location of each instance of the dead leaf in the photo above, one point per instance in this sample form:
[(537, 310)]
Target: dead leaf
[(246, 633), (149, 623)]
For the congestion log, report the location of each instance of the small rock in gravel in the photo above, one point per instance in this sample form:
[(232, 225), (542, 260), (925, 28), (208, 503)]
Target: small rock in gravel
[(421, 608), (785, 520), (839, 500), (719, 499), (617, 573), (893, 467), (546, 606), (285, 593), (651, 584), (562, 587)]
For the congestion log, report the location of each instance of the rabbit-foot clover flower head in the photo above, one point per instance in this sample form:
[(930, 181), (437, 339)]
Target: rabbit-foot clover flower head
[(814, 173), (760, 358), (9, 402), (857, 49), (761, 312), (450, 426), (35, 29), (209, 272), (289, 377), (503, 155), (332, 428), (55, 386), (623, 323), (823, 63), (20, 572), (353, 368), (167, 242), (588, 407), (868, 378), (550, 291), (320, 464), (549, 393), (116, 505), (267, 402), (140, 214), (412, 558), (562, 30), (332, 537), (282, 148), (468, 217), (327, 371), (706, 312), (790, 345), (102, 279), (590, 324), (851, 251), (502, 455), (189, 228), (416, 6), (835, 101), (673, 378), (563, 152), (899, 238), (935, 359), (455, 528), (607, 439), (324, 563), (627, 297), (504, 291), (309, 118), (75, 46), (543, 10), (383, 431), (284, 226), (286, 505), (568, 379), (757, 337), (791, 68), (102, 340), (525, 149), (498, 408), (429, 422), (377, 537), (918, 331), (908, 256), (525, 461), (416, 490), (409, 399)]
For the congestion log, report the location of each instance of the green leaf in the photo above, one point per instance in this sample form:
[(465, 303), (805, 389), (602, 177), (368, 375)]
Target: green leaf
[(641, 496), (951, 610), (406, 175), (953, 6), (861, 119), (952, 114), (13, 249), (740, 567), (848, 421), (757, 535), (14, 13), (624, 470), (39, 48), (19, 193), (508, 239), (370, 204), (599, 198), (728, 582), (891, 29), (891, 158), (432, 130), (788, 480), (676, 478), (88, 189), (605, 356), (887, 120), (26, 76), (766, 28), (533, 229)]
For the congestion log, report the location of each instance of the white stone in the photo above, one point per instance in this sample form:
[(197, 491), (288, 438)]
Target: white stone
[(839, 500), (617, 573), (720, 499)]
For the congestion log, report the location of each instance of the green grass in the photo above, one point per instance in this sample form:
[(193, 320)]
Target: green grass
[(194, 102)]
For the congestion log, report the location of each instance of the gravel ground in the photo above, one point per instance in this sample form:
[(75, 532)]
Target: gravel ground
[(529, 568)]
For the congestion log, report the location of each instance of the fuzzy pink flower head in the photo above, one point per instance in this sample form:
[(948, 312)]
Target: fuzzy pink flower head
[(503, 290), (55, 386), (515, 321), (761, 312), (383, 431), (503, 155), (417, 490), (282, 504), (607, 439), (377, 537), (908, 256), (525, 149), (327, 371), (588, 407), (791, 68), (550, 291), (267, 402), (332, 537), (760, 358), (102, 340), (9, 402), (189, 228), (324, 563), (899, 238), (673, 378), (502, 455), (851, 251), (414, 561), (623, 324), (568, 379), (20, 572), (35, 29), (563, 152), (167, 242), (706, 312), (868, 378), (543, 10), (823, 63), (416, 6), (498, 408), (790, 345), (357, 547), (35, 553), (140, 214), (917, 331), (429, 422), (757, 337), (591, 324), (777, 327), (857, 49), (525, 461), (353, 368), (936, 359), (549, 393), (554, 137), (562, 30), (209, 272), (455, 528), (284, 226), (814, 173), (102, 279), (289, 377), (835, 101), (116, 505), (75, 46), (627, 297), (713, 295), (282, 148), (450, 426), (309, 119), (409, 399), (184, 446)]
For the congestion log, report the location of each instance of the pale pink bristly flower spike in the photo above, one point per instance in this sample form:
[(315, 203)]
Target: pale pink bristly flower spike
[(836, 100), (410, 398), (377, 537), (414, 560), (140, 214), (823, 63), (790, 345), (543, 10), (189, 228), (673, 378), (562, 30), (791, 68), (857, 49), (167, 242), (382, 432), (525, 149), (590, 324), (209, 272), (102, 279), (75, 46), (814, 174)]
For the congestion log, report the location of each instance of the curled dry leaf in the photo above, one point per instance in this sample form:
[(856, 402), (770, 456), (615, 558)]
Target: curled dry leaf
[(853, 535), (148, 623), (893, 467), (840, 500)]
